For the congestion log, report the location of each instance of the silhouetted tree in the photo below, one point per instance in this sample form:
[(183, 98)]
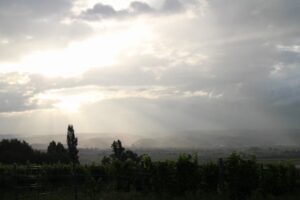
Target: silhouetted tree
[(57, 153), (72, 145), (15, 151), (131, 155), (118, 150), (124, 164), (51, 148), (20, 152), (106, 160)]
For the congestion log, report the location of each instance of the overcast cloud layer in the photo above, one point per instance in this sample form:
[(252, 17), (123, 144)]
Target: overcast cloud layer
[(149, 66)]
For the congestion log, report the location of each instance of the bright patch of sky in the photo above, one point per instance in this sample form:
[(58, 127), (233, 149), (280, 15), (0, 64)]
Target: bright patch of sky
[(150, 65)]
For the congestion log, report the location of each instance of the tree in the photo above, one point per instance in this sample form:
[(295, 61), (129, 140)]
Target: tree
[(57, 153), (51, 148), (60, 148), (72, 145), (15, 151), (118, 150), (19, 152), (120, 153)]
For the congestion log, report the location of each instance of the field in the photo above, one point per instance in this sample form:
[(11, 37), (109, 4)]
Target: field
[(119, 173), (68, 194), (236, 178)]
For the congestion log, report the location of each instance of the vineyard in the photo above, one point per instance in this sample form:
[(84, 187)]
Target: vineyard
[(27, 174), (236, 177)]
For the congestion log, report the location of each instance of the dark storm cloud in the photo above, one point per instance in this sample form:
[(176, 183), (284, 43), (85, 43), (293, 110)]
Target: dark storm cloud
[(100, 11)]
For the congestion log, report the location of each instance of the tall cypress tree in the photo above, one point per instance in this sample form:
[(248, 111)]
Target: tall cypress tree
[(72, 145)]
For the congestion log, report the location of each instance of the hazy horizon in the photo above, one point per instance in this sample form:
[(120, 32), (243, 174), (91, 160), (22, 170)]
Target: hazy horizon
[(149, 67), (206, 139)]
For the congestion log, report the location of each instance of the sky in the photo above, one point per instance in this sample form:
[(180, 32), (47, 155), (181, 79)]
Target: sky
[(149, 66)]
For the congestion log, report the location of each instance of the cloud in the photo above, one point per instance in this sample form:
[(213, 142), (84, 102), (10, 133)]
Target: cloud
[(172, 6), (293, 48), (140, 7), (28, 26), (234, 64), (17, 91), (101, 11)]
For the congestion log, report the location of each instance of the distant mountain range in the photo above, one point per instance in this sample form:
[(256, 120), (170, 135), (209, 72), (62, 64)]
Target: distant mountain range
[(187, 139)]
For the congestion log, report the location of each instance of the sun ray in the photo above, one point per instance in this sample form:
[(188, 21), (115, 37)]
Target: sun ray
[(96, 52)]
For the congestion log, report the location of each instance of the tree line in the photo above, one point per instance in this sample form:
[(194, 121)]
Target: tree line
[(14, 151), (236, 177)]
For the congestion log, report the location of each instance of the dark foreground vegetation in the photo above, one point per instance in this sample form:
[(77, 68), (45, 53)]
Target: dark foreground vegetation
[(57, 174)]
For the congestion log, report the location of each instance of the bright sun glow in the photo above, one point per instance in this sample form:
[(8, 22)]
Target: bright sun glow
[(99, 51), (72, 104), (69, 102)]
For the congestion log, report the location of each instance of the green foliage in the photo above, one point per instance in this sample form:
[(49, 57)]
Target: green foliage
[(72, 142), (121, 154), (118, 150), (187, 171), (209, 173), (20, 152), (238, 177), (57, 153), (164, 176), (242, 176), (279, 178)]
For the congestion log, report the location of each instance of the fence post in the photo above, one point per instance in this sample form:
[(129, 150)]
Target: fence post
[(16, 182), (221, 174)]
